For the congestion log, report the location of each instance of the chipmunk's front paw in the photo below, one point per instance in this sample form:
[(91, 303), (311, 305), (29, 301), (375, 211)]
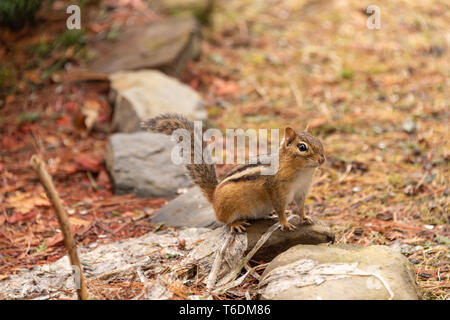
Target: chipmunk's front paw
[(288, 226), (239, 226), (308, 220)]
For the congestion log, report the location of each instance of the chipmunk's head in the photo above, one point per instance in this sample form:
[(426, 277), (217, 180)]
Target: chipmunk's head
[(302, 148)]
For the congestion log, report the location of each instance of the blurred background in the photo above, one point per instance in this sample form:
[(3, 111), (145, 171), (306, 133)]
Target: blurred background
[(378, 98)]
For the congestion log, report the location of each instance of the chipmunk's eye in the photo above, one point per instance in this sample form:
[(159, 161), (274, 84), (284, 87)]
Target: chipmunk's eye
[(302, 147)]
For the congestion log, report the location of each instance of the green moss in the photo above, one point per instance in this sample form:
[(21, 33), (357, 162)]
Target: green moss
[(347, 73)]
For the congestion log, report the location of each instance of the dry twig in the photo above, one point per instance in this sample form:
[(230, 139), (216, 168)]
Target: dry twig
[(69, 242)]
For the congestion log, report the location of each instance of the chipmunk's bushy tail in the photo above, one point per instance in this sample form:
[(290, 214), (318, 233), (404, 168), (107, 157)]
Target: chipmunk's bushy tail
[(202, 174)]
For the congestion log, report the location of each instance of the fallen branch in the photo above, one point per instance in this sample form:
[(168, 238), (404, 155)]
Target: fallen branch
[(238, 282), (39, 167), (218, 262)]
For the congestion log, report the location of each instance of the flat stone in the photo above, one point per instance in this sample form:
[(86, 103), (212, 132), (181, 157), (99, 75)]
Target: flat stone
[(189, 209), (280, 241), (202, 256), (339, 272), (105, 263), (140, 95), (165, 45), (141, 163)]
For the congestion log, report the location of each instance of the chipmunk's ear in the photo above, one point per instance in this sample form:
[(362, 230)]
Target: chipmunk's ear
[(308, 129), (289, 135)]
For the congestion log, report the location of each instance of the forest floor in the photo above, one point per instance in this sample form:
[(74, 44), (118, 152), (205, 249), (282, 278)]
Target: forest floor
[(378, 99)]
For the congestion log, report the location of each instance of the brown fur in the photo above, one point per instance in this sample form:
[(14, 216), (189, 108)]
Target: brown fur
[(240, 195), (204, 175), (244, 193)]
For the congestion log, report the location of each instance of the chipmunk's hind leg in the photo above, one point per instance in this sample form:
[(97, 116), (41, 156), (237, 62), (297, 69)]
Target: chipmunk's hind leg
[(239, 226)]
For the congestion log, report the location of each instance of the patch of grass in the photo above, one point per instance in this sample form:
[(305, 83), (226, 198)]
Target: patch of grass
[(16, 13), (395, 179), (42, 247), (47, 73), (42, 49), (69, 38), (28, 117), (347, 73)]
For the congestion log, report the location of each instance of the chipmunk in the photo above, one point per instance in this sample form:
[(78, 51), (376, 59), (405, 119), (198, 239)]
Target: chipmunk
[(244, 193)]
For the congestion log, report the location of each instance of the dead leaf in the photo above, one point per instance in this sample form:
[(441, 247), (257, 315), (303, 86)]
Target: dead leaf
[(103, 178), (59, 237), (316, 123), (89, 163), (3, 276), (33, 76), (76, 224), (69, 168), (90, 111), (225, 87), (413, 240), (24, 202), (16, 217), (253, 110), (7, 142), (64, 121)]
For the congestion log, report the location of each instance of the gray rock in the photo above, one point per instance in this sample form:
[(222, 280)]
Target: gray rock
[(167, 45), (202, 256), (141, 163), (117, 260), (280, 241), (409, 126), (140, 95), (189, 209), (341, 272)]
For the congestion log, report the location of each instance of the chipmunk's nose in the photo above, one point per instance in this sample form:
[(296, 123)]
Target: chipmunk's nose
[(322, 159)]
